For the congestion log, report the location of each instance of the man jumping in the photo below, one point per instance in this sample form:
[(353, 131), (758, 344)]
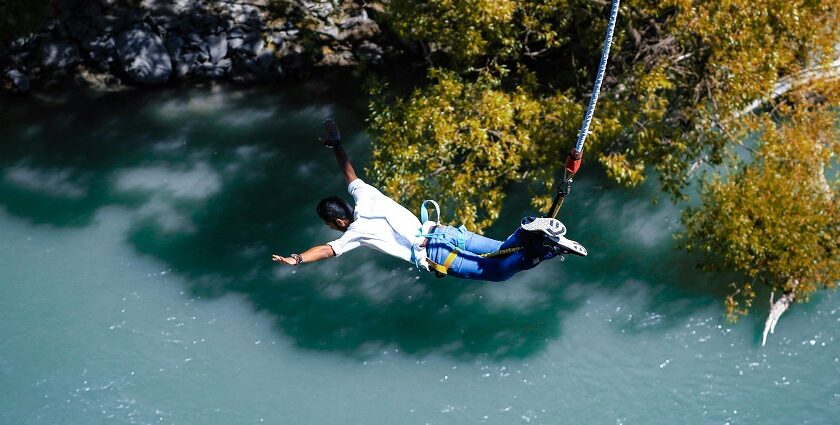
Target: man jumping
[(379, 222)]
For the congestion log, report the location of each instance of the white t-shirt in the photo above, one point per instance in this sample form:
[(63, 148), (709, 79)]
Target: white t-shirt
[(382, 224)]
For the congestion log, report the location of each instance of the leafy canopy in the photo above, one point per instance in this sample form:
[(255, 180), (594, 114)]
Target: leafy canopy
[(680, 73), (775, 218), (467, 151), (509, 81)]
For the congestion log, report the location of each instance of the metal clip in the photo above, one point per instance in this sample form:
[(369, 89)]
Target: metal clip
[(564, 187)]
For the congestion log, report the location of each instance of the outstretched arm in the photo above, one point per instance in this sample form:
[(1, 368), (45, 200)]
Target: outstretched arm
[(333, 140), (315, 253), (344, 163)]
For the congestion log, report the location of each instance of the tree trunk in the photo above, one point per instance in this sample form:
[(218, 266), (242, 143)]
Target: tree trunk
[(777, 309)]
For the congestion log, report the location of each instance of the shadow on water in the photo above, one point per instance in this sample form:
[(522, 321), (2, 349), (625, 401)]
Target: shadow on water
[(218, 180)]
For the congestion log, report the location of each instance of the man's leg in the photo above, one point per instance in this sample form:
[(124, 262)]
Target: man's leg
[(471, 265), (493, 269), (478, 244)]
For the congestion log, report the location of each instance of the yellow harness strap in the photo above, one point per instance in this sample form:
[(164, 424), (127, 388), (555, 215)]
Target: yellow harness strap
[(441, 269)]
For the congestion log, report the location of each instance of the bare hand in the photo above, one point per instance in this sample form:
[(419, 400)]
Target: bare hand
[(284, 260)]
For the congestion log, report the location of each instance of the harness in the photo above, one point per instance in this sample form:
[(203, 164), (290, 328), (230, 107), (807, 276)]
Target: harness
[(440, 270)]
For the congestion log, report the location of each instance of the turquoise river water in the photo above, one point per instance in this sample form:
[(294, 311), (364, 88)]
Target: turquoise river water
[(136, 288)]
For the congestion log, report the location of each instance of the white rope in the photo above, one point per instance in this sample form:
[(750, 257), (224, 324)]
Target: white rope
[(584, 130)]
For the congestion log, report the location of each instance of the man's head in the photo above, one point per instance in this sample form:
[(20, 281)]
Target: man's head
[(335, 212)]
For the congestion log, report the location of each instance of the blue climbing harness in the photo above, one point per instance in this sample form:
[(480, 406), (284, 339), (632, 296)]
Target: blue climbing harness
[(459, 246)]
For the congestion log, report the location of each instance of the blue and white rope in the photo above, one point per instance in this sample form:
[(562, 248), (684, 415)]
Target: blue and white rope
[(597, 89)]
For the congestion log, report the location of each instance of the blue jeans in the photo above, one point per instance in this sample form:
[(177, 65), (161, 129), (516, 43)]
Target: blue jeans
[(469, 265)]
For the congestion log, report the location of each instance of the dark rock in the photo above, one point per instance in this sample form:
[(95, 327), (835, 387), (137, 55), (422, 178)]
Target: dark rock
[(91, 9), (236, 32), (195, 39), (20, 83), (59, 54), (199, 45), (225, 64), (170, 23), (342, 58), (100, 51), (235, 43), (266, 59), (127, 15), (186, 27), (369, 52), (251, 65), (358, 28), (277, 40), (109, 23), (161, 31), (327, 33), (210, 70), (252, 46), (101, 60), (174, 43), (323, 9), (143, 56), (21, 43), (248, 17), (20, 58), (218, 47), (290, 34), (103, 42), (184, 65), (226, 25), (150, 39)]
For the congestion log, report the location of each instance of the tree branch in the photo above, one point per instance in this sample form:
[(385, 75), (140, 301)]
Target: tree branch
[(785, 84)]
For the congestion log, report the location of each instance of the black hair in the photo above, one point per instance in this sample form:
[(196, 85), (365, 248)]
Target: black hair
[(334, 208)]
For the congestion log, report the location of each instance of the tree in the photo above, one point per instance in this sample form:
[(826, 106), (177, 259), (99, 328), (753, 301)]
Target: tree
[(680, 71), (775, 216), (462, 141), (509, 81)]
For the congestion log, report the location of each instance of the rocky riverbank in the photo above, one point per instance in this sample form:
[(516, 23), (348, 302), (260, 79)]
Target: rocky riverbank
[(112, 44)]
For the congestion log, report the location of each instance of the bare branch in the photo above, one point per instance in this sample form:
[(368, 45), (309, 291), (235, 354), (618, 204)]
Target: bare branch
[(785, 84)]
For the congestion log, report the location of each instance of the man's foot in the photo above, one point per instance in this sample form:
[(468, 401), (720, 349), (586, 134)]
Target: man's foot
[(553, 232), (332, 136), (561, 245), (551, 227)]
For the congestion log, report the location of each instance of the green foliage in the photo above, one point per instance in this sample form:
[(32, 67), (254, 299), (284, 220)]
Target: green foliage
[(461, 141), (775, 218), (743, 46), (681, 77), (21, 17), (679, 72), (463, 29), (468, 31)]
